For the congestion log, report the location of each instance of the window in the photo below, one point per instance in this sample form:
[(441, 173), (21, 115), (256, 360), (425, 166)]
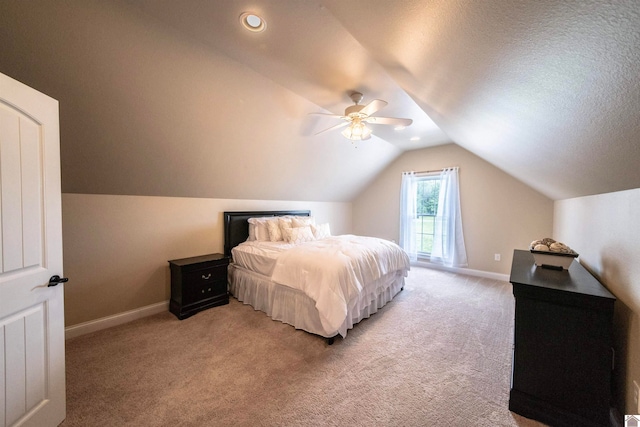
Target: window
[(427, 191), (430, 220)]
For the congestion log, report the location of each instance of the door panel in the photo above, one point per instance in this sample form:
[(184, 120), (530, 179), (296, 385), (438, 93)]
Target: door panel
[(14, 360), (32, 203), (32, 371), (10, 202), (21, 202)]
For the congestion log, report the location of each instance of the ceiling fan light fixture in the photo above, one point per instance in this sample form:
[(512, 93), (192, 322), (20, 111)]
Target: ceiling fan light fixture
[(253, 22), (357, 131)]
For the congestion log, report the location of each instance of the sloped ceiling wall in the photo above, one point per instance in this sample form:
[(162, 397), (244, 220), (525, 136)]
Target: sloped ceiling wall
[(545, 90), (146, 110), (174, 98)]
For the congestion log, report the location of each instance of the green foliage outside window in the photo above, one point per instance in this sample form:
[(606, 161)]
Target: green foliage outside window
[(427, 207)]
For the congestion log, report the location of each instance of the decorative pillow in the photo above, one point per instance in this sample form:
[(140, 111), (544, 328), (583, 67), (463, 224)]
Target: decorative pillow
[(285, 221), (275, 235), (298, 234), (321, 231), (286, 233), (301, 221)]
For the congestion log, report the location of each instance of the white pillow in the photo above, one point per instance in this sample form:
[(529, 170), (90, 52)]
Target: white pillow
[(252, 232), (298, 234), (262, 233), (260, 228), (273, 226), (301, 221), (321, 231)]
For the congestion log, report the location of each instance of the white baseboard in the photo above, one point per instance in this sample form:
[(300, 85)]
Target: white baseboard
[(115, 320), (467, 271)]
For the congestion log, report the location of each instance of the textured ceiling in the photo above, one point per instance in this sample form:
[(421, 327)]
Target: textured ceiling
[(546, 90)]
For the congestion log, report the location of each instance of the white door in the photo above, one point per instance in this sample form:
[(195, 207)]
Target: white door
[(32, 371)]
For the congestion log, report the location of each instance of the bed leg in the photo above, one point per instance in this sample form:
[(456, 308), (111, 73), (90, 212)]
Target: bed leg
[(330, 340)]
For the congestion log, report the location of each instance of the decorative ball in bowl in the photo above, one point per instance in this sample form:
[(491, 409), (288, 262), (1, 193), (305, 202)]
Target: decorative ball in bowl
[(548, 253)]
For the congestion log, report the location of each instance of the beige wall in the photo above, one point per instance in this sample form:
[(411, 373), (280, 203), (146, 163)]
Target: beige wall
[(499, 213), (116, 248), (604, 230)]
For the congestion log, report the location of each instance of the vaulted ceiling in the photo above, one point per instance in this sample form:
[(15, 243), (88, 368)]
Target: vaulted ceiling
[(547, 91)]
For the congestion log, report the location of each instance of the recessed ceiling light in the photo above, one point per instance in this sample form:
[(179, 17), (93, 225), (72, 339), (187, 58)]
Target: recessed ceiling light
[(253, 22), (400, 127), (415, 138)]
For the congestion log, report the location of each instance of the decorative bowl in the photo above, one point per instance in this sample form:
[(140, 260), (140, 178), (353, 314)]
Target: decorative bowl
[(553, 260)]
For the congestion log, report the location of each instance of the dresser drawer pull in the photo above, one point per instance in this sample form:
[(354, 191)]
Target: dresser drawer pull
[(613, 358), (207, 277)]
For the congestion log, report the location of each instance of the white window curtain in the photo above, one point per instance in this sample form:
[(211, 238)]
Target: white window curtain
[(408, 214), (448, 240)]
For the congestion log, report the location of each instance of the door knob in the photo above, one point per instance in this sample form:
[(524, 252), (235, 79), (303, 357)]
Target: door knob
[(54, 280)]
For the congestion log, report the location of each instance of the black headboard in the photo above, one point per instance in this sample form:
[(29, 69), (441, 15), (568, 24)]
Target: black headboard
[(236, 227)]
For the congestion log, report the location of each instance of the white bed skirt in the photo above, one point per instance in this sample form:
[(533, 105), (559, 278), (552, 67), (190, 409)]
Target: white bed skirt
[(293, 307)]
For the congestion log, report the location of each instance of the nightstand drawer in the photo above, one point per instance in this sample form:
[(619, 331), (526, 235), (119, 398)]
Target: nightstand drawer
[(205, 276), (204, 291)]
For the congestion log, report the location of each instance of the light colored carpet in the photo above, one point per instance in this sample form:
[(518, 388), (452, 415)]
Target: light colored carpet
[(439, 354)]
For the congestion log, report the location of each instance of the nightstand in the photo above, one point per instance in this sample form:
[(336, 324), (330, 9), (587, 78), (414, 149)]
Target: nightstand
[(198, 283)]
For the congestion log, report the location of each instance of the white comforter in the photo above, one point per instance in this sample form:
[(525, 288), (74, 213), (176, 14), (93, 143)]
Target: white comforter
[(335, 272)]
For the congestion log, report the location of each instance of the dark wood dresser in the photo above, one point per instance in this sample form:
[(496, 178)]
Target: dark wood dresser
[(562, 355), (198, 283)]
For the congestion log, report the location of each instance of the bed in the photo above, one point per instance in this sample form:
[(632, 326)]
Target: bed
[(323, 285)]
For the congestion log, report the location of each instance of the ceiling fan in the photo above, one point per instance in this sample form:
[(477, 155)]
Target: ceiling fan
[(356, 117)]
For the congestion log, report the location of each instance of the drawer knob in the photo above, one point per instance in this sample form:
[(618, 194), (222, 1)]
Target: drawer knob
[(207, 277)]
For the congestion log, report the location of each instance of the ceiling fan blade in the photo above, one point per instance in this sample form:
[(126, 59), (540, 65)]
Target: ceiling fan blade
[(338, 126), (387, 121), (338, 116), (373, 106)]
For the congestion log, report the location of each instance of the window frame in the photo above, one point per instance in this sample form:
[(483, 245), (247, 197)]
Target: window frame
[(419, 229)]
